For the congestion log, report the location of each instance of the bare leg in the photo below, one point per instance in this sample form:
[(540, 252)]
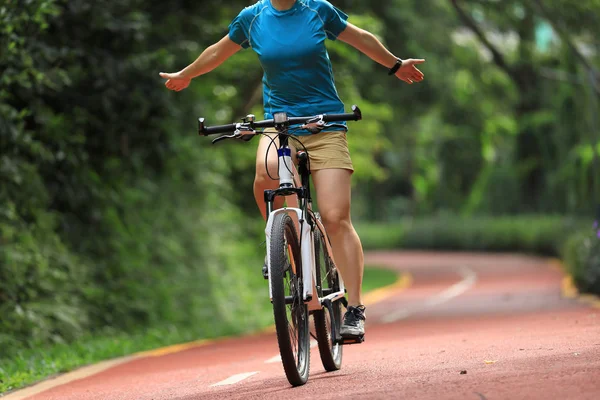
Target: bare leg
[(333, 197), (263, 182)]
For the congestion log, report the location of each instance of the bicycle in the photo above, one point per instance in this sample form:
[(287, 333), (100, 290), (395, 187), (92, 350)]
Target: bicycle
[(303, 277)]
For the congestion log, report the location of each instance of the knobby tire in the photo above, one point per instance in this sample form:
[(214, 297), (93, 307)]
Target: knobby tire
[(327, 278), (291, 320)]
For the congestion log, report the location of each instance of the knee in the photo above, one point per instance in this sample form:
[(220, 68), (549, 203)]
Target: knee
[(336, 220), (261, 177)]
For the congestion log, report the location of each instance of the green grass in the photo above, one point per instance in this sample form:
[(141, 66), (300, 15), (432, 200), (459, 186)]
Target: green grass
[(376, 277), (31, 365)]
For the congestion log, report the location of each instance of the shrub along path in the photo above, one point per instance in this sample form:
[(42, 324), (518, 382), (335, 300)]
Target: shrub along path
[(471, 326)]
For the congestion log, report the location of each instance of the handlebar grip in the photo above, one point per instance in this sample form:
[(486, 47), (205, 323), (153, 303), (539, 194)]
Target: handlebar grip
[(355, 116), (214, 130), (339, 117)]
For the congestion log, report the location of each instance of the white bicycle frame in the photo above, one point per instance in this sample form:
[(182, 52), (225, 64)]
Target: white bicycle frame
[(307, 250)]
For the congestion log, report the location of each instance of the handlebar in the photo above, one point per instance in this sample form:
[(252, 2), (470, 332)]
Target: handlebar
[(356, 115)]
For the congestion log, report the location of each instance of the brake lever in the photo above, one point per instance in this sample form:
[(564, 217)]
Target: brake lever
[(336, 126), (316, 127), (246, 137), (224, 137)]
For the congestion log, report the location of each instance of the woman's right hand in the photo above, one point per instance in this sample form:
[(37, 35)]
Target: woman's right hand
[(176, 81)]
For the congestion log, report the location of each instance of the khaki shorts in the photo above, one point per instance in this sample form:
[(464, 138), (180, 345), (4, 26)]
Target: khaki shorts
[(326, 150)]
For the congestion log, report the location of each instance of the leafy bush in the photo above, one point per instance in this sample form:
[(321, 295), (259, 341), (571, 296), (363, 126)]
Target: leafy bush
[(545, 235), (530, 234), (113, 218), (34, 259), (34, 263), (582, 257)]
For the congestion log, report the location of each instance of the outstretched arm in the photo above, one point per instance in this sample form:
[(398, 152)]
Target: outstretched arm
[(210, 59), (367, 43)]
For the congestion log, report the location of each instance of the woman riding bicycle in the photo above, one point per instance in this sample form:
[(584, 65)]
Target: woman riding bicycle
[(289, 38)]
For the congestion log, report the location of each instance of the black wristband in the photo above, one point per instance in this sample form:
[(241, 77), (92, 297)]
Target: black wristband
[(396, 67)]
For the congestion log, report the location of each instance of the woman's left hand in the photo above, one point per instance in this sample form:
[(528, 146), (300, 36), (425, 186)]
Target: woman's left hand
[(408, 72)]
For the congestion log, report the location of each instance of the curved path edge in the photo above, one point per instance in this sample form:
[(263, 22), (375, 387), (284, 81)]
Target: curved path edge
[(460, 326), (375, 296)]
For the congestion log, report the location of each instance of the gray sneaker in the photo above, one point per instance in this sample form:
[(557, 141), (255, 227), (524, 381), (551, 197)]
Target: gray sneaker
[(353, 326)]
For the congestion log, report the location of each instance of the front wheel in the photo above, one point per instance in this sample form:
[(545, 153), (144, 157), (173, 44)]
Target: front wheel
[(289, 310), (328, 281)]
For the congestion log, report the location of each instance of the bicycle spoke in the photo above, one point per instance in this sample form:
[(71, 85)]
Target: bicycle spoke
[(331, 352), (294, 308), (289, 309)]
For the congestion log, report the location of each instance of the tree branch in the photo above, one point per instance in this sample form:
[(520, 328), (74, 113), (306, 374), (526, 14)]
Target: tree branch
[(472, 25), (562, 32)]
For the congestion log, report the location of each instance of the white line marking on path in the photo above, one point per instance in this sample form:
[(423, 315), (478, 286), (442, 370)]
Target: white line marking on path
[(235, 379), (274, 359), (277, 358), (469, 278)]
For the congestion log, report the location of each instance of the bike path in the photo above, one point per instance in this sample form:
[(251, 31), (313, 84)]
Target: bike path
[(470, 326)]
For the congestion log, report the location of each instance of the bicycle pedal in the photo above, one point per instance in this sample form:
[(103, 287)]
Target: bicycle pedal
[(350, 340)]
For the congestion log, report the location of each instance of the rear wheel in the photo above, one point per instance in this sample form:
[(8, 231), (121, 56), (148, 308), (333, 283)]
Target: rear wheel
[(289, 310), (327, 282)]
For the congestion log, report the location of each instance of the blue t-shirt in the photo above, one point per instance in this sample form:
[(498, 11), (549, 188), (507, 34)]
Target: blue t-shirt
[(298, 78)]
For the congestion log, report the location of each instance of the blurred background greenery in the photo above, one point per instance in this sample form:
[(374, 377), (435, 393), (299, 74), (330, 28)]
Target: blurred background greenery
[(116, 218)]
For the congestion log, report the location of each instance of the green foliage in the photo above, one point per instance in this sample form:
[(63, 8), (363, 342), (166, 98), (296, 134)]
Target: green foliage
[(115, 216), (528, 234), (27, 366), (35, 263), (34, 259), (111, 215), (582, 257), (511, 133), (543, 235)]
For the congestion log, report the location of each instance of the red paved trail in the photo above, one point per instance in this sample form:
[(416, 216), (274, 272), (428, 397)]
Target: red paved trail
[(500, 318)]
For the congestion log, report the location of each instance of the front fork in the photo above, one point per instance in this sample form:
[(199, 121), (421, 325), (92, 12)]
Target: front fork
[(287, 187), (307, 257)]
